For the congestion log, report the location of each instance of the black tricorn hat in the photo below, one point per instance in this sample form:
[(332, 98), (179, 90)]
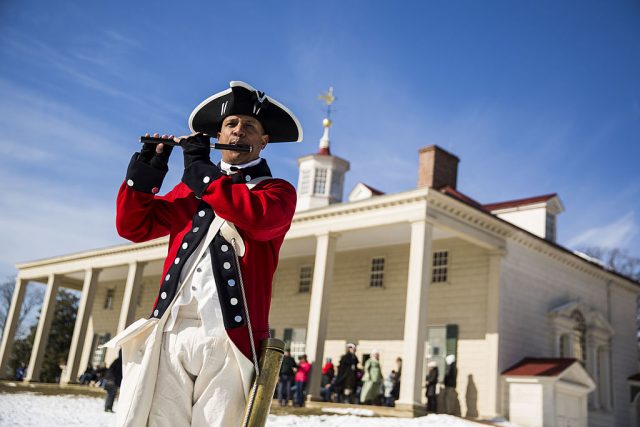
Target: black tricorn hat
[(276, 119)]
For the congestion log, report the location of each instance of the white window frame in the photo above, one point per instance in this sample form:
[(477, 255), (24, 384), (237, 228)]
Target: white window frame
[(440, 269), (376, 272), (320, 182), (303, 286)]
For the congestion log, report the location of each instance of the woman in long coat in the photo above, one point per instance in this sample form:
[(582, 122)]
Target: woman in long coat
[(372, 379)]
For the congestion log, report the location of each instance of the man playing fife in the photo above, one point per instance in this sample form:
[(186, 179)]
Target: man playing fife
[(191, 363)]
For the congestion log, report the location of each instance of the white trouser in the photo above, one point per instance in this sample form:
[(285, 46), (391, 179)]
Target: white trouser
[(199, 382)]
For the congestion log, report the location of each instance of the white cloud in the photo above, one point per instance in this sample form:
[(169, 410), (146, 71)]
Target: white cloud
[(618, 234)]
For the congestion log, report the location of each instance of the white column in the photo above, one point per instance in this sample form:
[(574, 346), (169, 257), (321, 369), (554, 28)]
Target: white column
[(131, 294), (42, 332), (415, 322), (129, 302), (492, 336), (319, 307), (10, 326), (80, 329)]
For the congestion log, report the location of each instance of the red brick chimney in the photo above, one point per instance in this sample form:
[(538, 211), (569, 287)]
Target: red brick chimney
[(437, 168)]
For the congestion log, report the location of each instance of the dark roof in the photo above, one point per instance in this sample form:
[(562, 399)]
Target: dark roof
[(540, 367), (447, 189), (455, 194), (519, 202), (375, 191)]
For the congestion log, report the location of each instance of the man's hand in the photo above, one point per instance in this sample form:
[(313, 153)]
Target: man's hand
[(195, 147), (157, 155)]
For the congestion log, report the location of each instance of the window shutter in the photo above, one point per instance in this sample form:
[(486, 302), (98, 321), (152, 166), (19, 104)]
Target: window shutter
[(452, 340), (288, 334)]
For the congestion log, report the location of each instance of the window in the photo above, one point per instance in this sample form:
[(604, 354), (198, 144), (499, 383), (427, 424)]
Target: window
[(319, 181), (305, 182), (376, 279), (440, 267), (100, 352), (305, 277), (336, 185), (108, 300), (550, 229), (295, 340)]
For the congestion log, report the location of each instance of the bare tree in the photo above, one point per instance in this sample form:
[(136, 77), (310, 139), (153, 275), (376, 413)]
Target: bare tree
[(619, 260), (32, 300)]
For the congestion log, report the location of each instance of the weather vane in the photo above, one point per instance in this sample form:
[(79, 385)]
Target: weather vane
[(328, 98)]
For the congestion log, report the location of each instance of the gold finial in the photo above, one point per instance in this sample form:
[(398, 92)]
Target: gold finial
[(328, 98)]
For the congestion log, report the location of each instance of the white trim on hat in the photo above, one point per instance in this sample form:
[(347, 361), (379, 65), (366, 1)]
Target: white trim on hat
[(247, 86), (203, 103)]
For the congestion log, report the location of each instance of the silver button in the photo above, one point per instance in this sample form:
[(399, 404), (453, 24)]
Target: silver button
[(155, 313), (163, 295), (195, 229), (224, 248), (226, 265), (234, 301), (185, 245), (206, 179), (177, 261), (130, 182), (167, 277), (201, 214), (238, 319), (247, 178), (231, 282)]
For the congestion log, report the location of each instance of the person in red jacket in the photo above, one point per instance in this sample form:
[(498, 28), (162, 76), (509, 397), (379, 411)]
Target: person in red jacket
[(302, 376), (226, 224)]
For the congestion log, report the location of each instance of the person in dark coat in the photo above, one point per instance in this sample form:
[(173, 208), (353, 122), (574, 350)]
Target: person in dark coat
[(451, 404), (326, 384), (285, 380), (113, 379), (432, 382), (346, 380)]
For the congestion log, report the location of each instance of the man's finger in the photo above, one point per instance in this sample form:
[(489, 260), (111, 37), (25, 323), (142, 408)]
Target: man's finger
[(159, 148)]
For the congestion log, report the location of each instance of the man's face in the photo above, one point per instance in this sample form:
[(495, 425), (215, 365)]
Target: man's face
[(242, 130)]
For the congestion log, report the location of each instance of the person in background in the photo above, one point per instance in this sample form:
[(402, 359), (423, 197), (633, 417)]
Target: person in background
[(388, 388), (396, 386), (431, 385), (372, 380), (21, 371), (451, 405), (285, 381), (113, 378), (346, 380), (302, 376), (88, 376), (326, 384)]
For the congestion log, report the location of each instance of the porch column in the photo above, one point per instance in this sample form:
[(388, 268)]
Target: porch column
[(131, 293), (10, 326), (492, 336), (319, 307), (42, 332), (129, 302), (80, 329), (415, 322)]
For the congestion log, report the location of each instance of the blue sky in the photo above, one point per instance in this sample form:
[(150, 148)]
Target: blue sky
[(534, 97)]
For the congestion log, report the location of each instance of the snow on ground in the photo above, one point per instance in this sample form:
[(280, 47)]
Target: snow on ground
[(29, 409)]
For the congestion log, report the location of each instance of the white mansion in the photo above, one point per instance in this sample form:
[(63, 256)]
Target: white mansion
[(542, 335)]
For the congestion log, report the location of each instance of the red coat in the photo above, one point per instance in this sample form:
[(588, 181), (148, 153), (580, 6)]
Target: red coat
[(262, 216)]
